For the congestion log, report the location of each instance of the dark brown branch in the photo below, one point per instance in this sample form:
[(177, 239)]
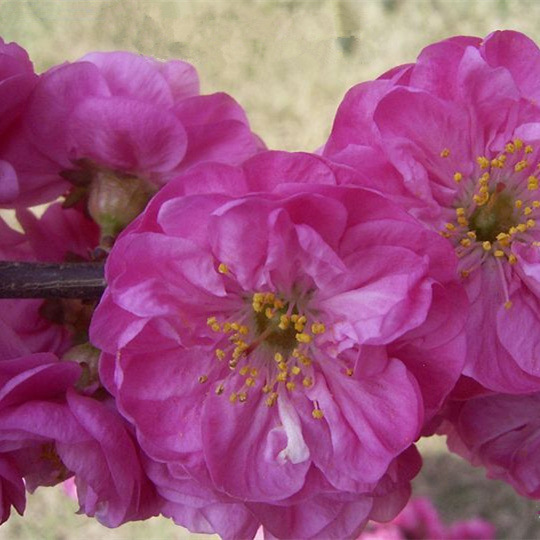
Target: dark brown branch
[(46, 280)]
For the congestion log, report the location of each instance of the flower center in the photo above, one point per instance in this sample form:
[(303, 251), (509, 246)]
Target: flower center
[(495, 207), (268, 348), (495, 217)]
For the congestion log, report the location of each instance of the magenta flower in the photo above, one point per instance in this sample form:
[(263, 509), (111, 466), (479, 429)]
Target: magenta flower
[(501, 433), (17, 78), (420, 520), (120, 117), (454, 138), (281, 341), (48, 433)]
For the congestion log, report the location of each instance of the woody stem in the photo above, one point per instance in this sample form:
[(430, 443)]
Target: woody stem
[(50, 280)]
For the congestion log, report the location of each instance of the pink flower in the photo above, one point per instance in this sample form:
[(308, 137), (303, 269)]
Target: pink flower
[(501, 433), (282, 340), (454, 139), (17, 78), (11, 489), (48, 433), (122, 116), (420, 520)]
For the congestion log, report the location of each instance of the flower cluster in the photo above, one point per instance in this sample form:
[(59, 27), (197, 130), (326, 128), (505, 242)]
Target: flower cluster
[(278, 329)]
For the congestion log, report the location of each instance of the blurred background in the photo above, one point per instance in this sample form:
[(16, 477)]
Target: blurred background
[(288, 63)]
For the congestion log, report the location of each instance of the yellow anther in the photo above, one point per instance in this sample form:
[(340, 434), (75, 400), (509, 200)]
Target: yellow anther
[(458, 177), (518, 203), (349, 372), (219, 389), (512, 259), (281, 376), (480, 200), (242, 397), (445, 152), (512, 231), (521, 165), (278, 357), (450, 226), (502, 159), (521, 227), (244, 370), (233, 397), (271, 399), (203, 378), (223, 268), (294, 317), (484, 179), (510, 148), (527, 210), (216, 327), (508, 304), (483, 162), (465, 273), (465, 242), (445, 234), (497, 162), (317, 414), (250, 381), (306, 361), (295, 370), (531, 223), (498, 253), (278, 304), (528, 149), (282, 366), (296, 353), (290, 386), (307, 382), (210, 321), (244, 330), (486, 245), (220, 354), (460, 211), (266, 388), (518, 143), (472, 234), (257, 307), (318, 328), (536, 204), (462, 221), (303, 338), (284, 322), (532, 183), (503, 239), (269, 312), (254, 372), (269, 298)]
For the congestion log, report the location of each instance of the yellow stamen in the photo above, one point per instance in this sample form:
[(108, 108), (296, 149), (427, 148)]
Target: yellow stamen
[(486, 245), (483, 162), (203, 378), (445, 152), (303, 338), (223, 268), (458, 177)]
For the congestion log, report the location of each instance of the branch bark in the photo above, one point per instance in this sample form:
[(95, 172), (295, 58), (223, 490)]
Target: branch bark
[(48, 280)]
